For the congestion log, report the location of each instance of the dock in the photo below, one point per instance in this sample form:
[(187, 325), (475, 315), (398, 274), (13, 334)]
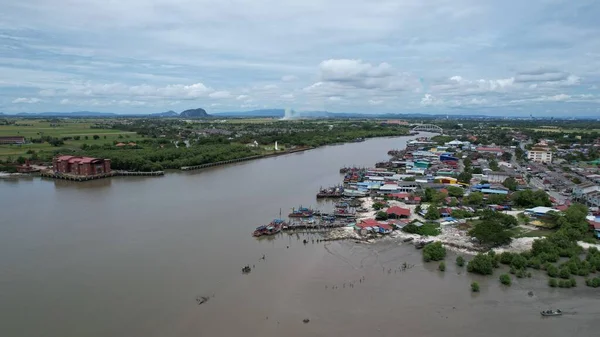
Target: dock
[(53, 175)]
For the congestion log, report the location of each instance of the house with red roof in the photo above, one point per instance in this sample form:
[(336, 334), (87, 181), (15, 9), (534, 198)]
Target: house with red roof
[(80, 166), (396, 212)]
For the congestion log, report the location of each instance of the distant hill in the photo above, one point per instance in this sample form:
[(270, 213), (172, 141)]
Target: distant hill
[(194, 113), (169, 113), (253, 113)]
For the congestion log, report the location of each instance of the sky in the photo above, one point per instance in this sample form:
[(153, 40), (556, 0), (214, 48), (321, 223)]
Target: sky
[(502, 58)]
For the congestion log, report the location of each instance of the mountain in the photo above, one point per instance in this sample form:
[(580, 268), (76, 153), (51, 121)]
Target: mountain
[(194, 113), (169, 113)]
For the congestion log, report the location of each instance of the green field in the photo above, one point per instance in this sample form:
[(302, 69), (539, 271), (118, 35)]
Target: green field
[(64, 128)]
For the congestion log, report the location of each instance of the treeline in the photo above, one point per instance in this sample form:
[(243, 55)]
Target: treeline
[(148, 158)]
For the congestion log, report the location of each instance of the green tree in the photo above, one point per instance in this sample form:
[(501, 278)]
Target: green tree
[(506, 156), (96, 137), (455, 191), (505, 279), (491, 233), (475, 287), (86, 137), (442, 266), (378, 205), (434, 252), (510, 183), (433, 212), (381, 215), (474, 199), (529, 198), (552, 282), (460, 261), (564, 273), (481, 264), (465, 177), (477, 170), (494, 165)]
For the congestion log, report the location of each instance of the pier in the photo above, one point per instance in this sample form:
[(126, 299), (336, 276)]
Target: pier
[(53, 175)]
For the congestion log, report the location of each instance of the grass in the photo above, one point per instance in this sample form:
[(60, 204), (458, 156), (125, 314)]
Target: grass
[(64, 128), (519, 232)]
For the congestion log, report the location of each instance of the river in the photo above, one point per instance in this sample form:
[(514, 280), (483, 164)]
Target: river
[(128, 256)]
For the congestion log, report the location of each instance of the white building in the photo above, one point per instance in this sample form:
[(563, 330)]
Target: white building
[(540, 155)]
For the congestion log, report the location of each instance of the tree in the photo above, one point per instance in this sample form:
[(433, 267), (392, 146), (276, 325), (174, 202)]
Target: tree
[(510, 183), (465, 177), (96, 137), (381, 215), (481, 264), (518, 262), (434, 252), (506, 156), (104, 137), (467, 162), (460, 261), (576, 180), (475, 287), (21, 160), (552, 282), (433, 212), (86, 137), (474, 199), (477, 170), (455, 191), (564, 273), (494, 165), (378, 205), (76, 137), (529, 198), (442, 266), (505, 279)]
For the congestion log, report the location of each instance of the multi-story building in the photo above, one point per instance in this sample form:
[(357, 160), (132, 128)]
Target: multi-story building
[(540, 153), (82, 166)]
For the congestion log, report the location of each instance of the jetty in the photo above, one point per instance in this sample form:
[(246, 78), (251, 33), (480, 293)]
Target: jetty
[(239, 160), (79, 178)]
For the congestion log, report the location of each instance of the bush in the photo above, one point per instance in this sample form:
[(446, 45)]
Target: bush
[(428, 229), (594, 283), (520, 273), (518, 262), (552, 283), (573, 282), (378, 205), (442, 266), (505, 279), (381, 216), (434, 252), (475, 287), (552, 270), (506, 257), (481, 264), (491, 233), (534, 263), (564, 273), (460, 261)]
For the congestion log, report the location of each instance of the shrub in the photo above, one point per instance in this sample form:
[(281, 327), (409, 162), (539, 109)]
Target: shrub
[(564, 273), (506, 257), (460, 261), (481, 264), (518, 262), (434, 252), (573, 282), (475, 287), (594, 283), (552, 283), (534, 263), (505, 279), (442, 266), (552, 270), (521, 273)]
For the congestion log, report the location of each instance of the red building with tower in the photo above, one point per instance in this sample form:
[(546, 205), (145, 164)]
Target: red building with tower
[(81, 166)]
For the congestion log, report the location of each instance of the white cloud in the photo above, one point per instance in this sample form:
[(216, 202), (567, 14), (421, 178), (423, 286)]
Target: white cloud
[(220, 94), (287, 96), (26, 100), (65, 101), (430, 100), (242, 97), (375, 101), (335, 98)]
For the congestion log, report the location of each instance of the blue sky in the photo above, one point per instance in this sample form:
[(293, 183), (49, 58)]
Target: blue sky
[(539, 57)]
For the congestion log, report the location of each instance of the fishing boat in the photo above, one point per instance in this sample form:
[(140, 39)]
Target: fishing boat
[(301, 212), (421, 244), (556, 312), (354, 193), (343, 213)]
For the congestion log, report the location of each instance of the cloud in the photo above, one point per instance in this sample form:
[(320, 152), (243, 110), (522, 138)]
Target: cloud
[(375, 101), (287, 96), (220, 94), (541, 76), (167, 53), (26, 100)]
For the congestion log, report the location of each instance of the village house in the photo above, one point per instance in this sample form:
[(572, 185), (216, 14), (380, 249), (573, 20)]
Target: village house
[(12, 140), (397, 212)]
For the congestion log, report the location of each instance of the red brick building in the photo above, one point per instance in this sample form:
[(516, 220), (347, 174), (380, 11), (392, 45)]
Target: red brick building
[(81, 166)]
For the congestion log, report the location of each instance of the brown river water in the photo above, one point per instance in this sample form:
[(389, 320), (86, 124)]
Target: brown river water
[(128, 256)]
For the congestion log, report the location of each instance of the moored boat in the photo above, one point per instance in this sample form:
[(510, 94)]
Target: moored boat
[(556, 312), (301, 212)]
